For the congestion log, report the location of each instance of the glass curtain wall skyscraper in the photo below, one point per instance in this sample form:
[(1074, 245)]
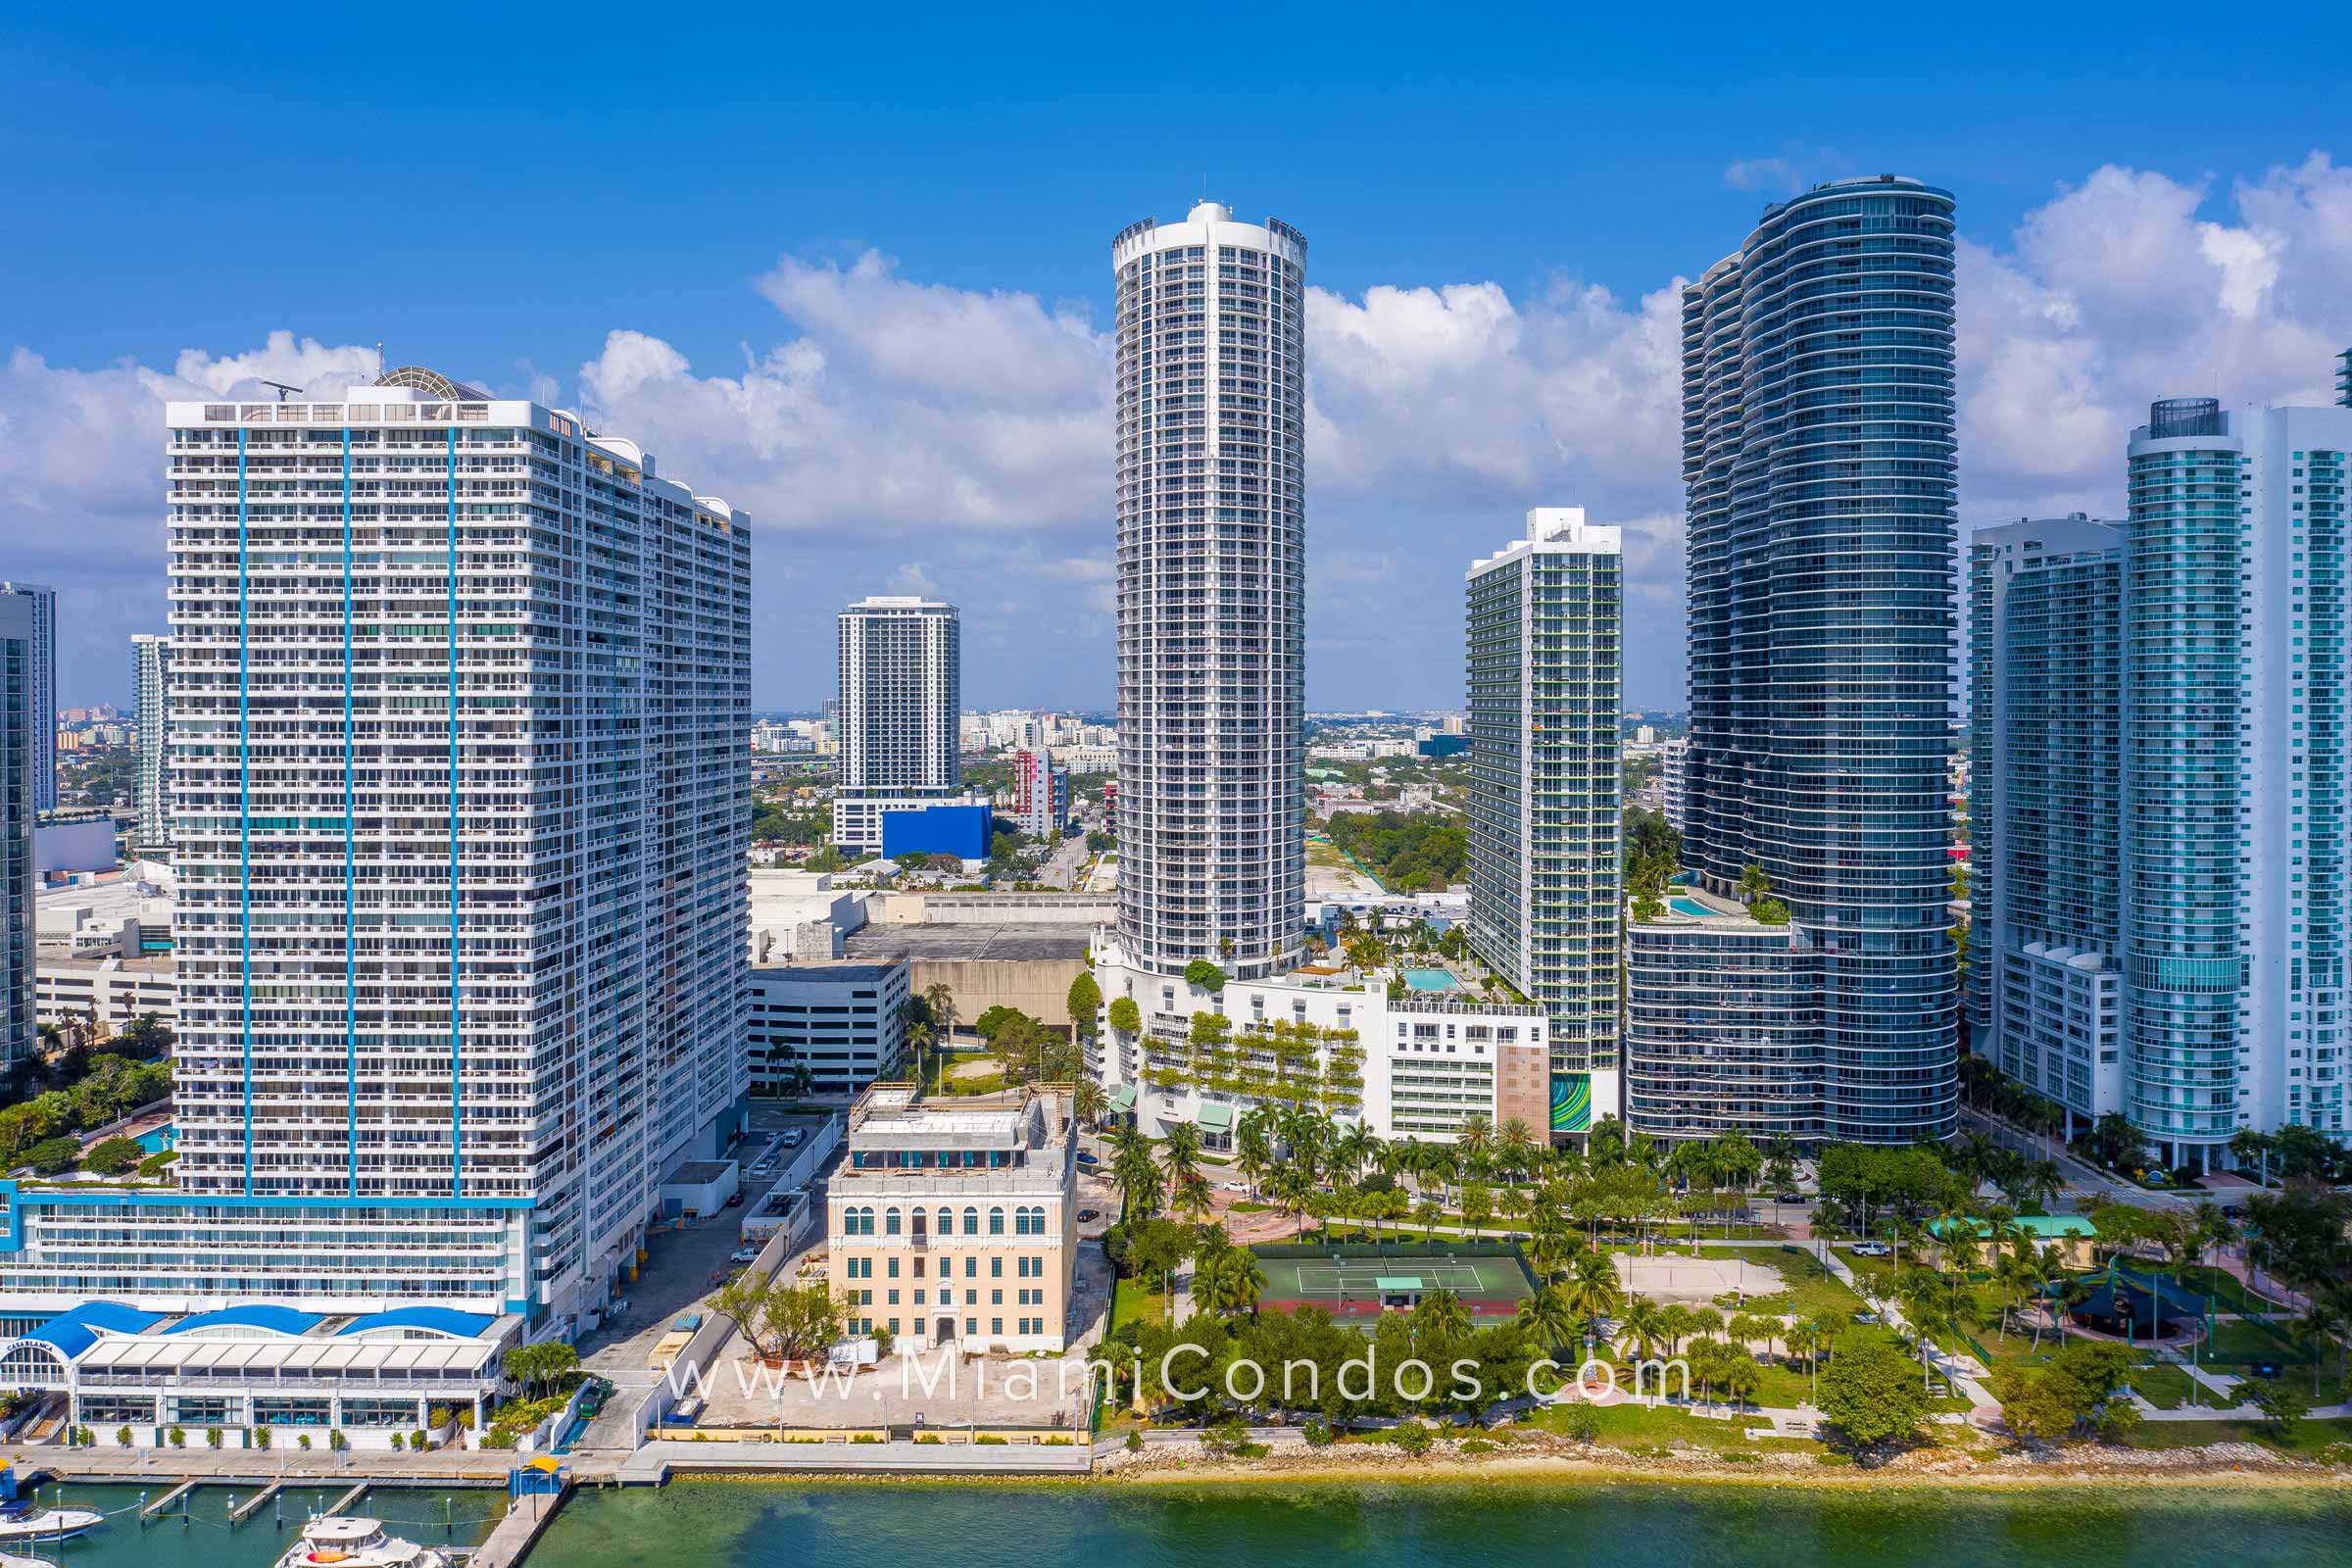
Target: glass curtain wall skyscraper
[(150, 678), (42, 604), (1211, 394), (1543, 620), (459, 735), (19, 657), (2163, 776), (1817, 454), (2046, 601)]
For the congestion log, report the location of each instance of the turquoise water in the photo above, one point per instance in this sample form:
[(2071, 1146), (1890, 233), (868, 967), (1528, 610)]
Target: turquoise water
[(745, 1523), (1429, 979), (434, 1517), (1691, 908)]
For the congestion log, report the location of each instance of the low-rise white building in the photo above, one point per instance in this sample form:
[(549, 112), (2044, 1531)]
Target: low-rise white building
[(843, 1022), (372, 1378), (1330, 1038), (112, 990)]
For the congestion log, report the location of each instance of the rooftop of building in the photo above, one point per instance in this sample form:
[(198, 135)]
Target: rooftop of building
[(1007, 942), (891, 1116), (699, 1173), (154, 965), (262, 1336), (843, 970), (1687, 903), (415, 394)]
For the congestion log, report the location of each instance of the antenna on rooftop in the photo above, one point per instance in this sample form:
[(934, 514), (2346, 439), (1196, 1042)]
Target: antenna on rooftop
[(282, 389)]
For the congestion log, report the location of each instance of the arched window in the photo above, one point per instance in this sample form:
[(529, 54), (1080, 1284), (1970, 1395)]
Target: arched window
[(889, 1223), (996, 1222), (947, 1222), (971, 1222)]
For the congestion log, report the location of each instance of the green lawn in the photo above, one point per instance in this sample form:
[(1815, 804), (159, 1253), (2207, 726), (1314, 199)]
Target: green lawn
[(1133, 1300), (2165, 1387)]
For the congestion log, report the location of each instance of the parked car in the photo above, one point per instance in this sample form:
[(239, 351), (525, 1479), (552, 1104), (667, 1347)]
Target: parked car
[(1087, 1216), (795, 1138), (1789, 1198), (744, 1254), (1870, 1249)]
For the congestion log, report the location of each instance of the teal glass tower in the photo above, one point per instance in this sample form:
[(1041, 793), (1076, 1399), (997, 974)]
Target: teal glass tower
[(1818, 456), (2163, 891)]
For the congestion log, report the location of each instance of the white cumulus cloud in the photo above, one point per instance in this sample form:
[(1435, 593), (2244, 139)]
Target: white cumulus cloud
[(882, 428)]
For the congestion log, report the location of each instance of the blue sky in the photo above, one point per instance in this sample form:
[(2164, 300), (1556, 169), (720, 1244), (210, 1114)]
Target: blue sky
[(850, 269)]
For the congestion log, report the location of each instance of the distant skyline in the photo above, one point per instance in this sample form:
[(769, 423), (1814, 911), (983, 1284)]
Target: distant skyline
[(853, 275)]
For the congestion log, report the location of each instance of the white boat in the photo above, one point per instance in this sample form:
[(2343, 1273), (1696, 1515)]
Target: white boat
[(9, 1560), (25, 1521), (347, 1541)]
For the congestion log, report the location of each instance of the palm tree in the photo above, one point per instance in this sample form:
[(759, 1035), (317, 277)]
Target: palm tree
[(1676, 1323), (1592, 1290), (1643, 1322), (1294, 1185), (1747, 1329), (1547, 1317), (1086, 1102), (918, 1042), (2038, 1270), (1740, 1378), (941, 998), (1179, 1153), (1475, 1138), (2009, 1273), (2318, 1328), (1808, 1339), (1828, 1231), (1230, 1280), (1189, 1195), (1549, 1243), (1442, 1316), (1135, 1174), (1252, 1153)]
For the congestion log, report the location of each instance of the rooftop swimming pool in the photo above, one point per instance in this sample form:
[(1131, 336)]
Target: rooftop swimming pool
[(1430, 980), (1692, 908)]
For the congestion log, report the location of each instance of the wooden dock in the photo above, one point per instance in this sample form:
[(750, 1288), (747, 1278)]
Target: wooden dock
[(348, 1499), (253, 1504), (163, 1504), (513, 1535)]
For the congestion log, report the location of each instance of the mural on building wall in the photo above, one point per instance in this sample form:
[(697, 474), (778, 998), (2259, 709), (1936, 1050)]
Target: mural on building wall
[(1571, 1101)]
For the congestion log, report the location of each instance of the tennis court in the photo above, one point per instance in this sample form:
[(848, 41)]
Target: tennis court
[(1365, 1280)]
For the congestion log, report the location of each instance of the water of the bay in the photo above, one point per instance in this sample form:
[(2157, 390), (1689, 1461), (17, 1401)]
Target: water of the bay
[(727, 1524), (434, 1517)]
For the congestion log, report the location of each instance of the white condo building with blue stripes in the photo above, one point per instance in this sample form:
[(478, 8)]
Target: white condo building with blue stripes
[(459, 735)]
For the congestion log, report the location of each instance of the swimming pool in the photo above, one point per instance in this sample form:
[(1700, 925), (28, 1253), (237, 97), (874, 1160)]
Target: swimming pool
[(1690, 908), (1429, 979)]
